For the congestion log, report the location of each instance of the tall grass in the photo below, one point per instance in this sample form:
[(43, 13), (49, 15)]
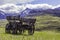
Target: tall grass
[(42, 21)]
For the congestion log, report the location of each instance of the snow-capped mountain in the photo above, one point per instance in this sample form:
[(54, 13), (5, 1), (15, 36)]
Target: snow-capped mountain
[(28, 10), (2, 15)]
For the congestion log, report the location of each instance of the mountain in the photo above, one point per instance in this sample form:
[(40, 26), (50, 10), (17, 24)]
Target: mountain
[(32, 12), (28, 10), (2, 15), (38, 12), (55, 12)]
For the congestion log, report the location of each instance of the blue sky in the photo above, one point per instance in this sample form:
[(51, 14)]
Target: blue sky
[(51, 2)]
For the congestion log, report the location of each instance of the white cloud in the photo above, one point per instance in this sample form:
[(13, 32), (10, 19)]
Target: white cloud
[(11, 8), (43, 6)]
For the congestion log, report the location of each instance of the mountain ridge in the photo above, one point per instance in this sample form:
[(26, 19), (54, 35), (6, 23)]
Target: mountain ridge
[(28, 10)]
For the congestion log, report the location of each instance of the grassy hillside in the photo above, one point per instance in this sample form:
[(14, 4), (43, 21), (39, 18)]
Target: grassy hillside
[(42, 22), (3, 22), (47, 21)]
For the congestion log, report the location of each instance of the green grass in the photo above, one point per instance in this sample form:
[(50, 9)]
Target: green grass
[(42, 21), (47, 20), (42, 35)]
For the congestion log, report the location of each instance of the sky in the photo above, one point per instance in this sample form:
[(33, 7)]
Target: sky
[(51, 2)]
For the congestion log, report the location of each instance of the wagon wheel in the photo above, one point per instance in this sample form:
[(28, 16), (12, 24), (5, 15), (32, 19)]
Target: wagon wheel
[(21, 30), (7, 29), (14, 29), (31, 31)]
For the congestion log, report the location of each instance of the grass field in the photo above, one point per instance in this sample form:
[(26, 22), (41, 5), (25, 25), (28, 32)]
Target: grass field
[(42, 21), (38, 35)]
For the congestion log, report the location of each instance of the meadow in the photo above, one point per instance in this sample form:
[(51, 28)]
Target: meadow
[(43, 34)]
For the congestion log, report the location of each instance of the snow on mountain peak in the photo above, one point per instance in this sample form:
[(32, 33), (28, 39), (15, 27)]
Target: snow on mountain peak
[(12, 8), (24, 9)]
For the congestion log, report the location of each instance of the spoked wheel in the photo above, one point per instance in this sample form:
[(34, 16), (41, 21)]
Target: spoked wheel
[(14, 28), (31, 31), (21, 30), (7, 29)]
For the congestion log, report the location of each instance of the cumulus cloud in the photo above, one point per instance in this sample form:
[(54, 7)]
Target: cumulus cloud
[(43, 6), (11, 8)]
